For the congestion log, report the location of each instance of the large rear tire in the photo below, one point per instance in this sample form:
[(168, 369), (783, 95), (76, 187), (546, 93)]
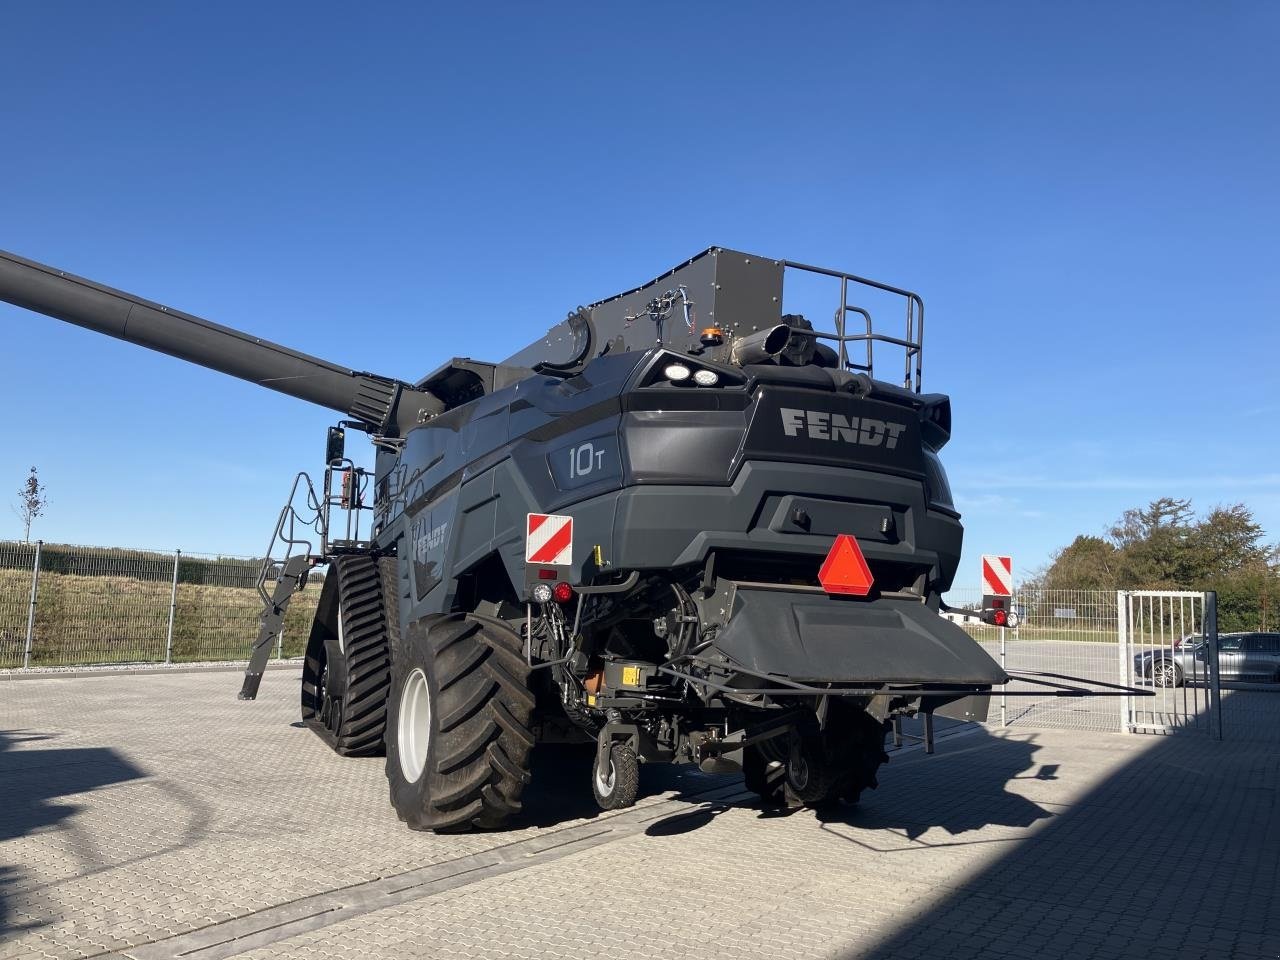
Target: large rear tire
[(347, 666), (458, 733)]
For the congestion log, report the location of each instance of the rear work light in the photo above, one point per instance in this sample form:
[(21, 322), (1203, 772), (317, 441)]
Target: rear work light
[(676, 372)]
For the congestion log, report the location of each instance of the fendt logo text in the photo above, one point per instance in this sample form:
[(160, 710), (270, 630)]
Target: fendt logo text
[(820, 425)]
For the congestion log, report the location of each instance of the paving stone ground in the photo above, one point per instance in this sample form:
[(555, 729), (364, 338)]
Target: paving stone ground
[(156, 816)]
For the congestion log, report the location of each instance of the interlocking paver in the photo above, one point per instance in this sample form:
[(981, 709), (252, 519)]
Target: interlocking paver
[(136, 808)]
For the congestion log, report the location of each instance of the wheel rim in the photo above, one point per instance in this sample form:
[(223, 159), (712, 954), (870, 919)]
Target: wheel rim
[(1164, 675), (604, 784), (413, 731), (798, 771), (342, 638)]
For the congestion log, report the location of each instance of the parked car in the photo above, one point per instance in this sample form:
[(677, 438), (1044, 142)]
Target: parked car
[(1241, 656)]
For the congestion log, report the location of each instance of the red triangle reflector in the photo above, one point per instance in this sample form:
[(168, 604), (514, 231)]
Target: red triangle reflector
[(845, 570)]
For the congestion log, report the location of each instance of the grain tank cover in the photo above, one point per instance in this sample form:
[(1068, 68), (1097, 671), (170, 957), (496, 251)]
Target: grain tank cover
[(726, 306), (738, 292)]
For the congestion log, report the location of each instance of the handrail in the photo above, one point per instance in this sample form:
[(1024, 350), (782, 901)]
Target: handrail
[(290, 526), (912, 343)]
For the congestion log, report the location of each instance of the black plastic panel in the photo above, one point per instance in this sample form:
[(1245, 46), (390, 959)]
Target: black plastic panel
[(839, 430), (820, 638)]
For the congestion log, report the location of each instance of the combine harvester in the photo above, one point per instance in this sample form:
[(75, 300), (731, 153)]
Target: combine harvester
[(684, 525)]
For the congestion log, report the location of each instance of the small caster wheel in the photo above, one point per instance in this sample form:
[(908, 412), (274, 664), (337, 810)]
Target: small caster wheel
[(616, 788), (812, 774)]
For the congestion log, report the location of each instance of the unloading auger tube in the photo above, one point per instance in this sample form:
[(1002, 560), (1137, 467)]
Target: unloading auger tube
[(383, 405)]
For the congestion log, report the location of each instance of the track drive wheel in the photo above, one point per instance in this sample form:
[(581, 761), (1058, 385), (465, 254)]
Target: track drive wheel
[(814, 771), (347, 664), (617, 789), (458, 726), (821, 767)]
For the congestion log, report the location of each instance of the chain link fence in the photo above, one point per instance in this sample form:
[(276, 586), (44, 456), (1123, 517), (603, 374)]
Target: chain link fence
[(73, 605)]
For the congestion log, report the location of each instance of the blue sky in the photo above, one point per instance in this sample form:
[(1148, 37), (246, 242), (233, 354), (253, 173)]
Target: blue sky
[(1086, 196)]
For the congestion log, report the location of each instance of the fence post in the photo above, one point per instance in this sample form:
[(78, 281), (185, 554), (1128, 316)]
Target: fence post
[(1122, 640), (173, 608), (1215, 680), (31, 611), (1004, 715)]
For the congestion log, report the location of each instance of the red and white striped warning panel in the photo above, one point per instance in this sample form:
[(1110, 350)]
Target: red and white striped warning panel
[(997, 575), (549, 539)]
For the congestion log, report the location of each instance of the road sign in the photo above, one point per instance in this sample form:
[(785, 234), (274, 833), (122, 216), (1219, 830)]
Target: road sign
[(997, 576), (549, 539), (845, 570)]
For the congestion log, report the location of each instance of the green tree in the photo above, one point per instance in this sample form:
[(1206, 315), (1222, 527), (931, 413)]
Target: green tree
[(1155, 544), (1228, 539), (1087, 563), (1165, 545), (1142, 523)]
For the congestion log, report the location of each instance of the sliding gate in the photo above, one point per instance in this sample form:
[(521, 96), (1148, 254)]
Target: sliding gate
[(1169, 646)]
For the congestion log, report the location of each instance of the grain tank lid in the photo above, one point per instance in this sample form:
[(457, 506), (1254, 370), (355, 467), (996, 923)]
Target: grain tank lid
[(718, 286), (656, 281)]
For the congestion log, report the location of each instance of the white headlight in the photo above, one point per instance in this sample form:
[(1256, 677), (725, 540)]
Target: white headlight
[(676, 372), (706, 378), (541, 593)]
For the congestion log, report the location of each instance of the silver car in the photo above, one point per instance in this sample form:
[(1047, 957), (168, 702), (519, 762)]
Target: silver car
[(1241, 656)]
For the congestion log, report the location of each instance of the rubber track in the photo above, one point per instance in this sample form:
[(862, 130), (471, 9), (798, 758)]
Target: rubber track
[(368, 658), (364, 710)]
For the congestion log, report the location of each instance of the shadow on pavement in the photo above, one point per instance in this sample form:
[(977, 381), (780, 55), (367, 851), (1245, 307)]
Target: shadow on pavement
[(560, 790), (1174, 854), (915, 810), (948, 805), (32, 780)]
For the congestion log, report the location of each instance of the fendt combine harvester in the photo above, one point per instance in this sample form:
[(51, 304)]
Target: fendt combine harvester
[(685, 525)]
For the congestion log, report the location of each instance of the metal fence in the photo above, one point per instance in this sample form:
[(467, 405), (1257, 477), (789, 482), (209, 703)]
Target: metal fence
[(1069, 633), (73, 605), (1163, 634)]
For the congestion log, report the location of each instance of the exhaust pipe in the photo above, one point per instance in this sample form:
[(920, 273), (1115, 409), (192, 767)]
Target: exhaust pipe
[(761, 345)]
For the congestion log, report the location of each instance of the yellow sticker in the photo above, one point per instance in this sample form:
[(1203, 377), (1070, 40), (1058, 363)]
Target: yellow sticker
[(631, 677)]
